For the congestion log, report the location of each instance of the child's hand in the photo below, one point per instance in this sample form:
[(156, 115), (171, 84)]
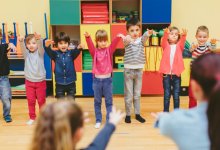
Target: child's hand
[(194, 46), (11, 46), (115, 116), (81, 46), (213, 41), (20, 38), (150, 32), (184, 32), (87, 34), (37, 36), (121, 36), (48, 43), (127, 39), (166, 30)]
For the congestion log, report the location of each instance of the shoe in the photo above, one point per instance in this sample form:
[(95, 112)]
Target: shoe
[(8, 119), (97, 125), (139, 118), (128, 119), (30, 122)]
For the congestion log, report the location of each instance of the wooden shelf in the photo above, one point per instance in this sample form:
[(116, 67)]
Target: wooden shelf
[(16, 76), (15, 57)]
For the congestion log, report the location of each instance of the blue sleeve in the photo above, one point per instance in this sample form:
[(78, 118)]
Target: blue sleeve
[(3, 48), (102, 139), (75, 53), (50, 52)]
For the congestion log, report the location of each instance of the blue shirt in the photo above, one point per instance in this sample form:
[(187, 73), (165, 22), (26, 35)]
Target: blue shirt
[(64, 65), (187, 128)]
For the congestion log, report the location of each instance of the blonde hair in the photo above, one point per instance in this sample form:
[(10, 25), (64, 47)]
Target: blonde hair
[(101, 35), (29, 37), (202, 28), (175, 28), (56, 126)]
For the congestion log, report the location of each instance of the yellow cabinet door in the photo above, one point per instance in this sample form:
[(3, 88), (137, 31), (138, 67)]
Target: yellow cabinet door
[(79, 83), (185, 76), (91, 29)]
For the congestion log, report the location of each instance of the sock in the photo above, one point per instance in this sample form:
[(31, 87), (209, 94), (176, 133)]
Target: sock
[(139, 118), (128, 119)]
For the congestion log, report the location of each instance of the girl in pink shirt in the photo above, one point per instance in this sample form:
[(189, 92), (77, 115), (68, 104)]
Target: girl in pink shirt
[(102, 55)]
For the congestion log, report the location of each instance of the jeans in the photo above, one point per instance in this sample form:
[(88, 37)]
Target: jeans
[(168, 82), (5, 95), (35, 90), (132, 89), (102, 87), (70, 89)]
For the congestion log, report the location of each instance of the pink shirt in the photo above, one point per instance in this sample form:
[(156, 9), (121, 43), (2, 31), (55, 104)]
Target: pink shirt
[(102, 58)]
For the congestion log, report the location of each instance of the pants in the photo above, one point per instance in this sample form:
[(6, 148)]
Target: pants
[(5, 95), (70, 89), (35, 90), (192, 100), (175, 82), (132, 89), (102, 87)]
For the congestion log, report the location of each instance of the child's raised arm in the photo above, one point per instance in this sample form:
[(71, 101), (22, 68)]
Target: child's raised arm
[(114, 43), (49, 51), (90, 43), (39, 43), (212, 45), (77, 50), (183, 39), (146, 35), (23, 47), (164, 41)]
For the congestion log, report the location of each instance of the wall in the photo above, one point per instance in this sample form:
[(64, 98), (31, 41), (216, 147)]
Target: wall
[(185, 14)]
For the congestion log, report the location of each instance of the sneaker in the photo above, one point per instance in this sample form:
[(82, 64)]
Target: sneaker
[(97, 125), (30, 122), (8, 119)]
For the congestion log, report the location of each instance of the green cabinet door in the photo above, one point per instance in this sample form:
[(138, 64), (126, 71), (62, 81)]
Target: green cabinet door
[(118, 83), (64, 12)]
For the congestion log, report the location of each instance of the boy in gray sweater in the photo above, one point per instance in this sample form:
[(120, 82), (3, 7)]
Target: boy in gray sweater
[(35, 73)]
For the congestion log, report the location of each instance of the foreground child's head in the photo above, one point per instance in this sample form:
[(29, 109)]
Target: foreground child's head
[(202, 35), (101, 38), (60, 126), (133, 27), (31, 43), (174, 35), (62, 41)]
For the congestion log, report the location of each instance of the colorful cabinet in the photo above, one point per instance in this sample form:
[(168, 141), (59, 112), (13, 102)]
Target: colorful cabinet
[(87, 84), (156, 11), (64, 12), (79, 83), (91, 29), (118, 83), (185, 76)]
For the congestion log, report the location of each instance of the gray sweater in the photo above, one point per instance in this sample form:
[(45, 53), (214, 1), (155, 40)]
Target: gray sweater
[(34, 63)]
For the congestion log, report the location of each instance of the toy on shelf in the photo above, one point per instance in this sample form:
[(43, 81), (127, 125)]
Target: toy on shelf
[(122, 17), (95, 13)]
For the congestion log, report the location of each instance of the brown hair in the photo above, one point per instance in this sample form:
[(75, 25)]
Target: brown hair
[(56, 126), (175, 28), (62, 36), (202, 28), (132, 22), (29, 37), (101, 35), (206, 72)]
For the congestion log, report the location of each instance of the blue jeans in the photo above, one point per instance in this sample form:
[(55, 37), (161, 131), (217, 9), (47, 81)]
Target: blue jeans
[(5, 95), (168, 82), (102, 87)]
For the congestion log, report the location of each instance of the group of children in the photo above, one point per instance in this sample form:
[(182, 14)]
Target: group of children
[(134, 60)]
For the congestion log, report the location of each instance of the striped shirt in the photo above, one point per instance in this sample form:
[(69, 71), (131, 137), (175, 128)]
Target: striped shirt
[(134, 53), (201, 50)]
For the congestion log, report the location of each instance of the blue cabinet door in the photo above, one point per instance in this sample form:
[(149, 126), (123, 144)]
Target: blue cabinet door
[(87, 84), (156, 11)]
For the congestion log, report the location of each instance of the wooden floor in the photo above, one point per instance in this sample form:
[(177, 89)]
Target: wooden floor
[(135, 136)]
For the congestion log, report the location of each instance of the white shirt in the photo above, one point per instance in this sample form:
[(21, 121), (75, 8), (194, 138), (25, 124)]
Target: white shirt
[(172, 54)]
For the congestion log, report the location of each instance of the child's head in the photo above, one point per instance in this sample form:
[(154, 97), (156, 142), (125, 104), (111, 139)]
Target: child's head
[(101, 38), (174, 35), (62, 41), (202, 35), (206, 84), (133, 27), (60, 126), (31, 43)]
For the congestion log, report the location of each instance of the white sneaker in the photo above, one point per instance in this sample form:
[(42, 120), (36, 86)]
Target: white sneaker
[(30, 122), (97, 125)]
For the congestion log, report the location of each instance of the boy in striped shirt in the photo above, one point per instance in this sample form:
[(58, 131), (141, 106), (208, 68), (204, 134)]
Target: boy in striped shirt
[(202, 47), (134, 60)]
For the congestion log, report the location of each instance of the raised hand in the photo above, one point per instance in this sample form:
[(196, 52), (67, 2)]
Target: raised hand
[(194, 46), (20, 38), (11, 46), (184, 32), (121, 36), (213, 41), (127, 39), (81, 46), (37, 36), (49, 42), (150, 32), (87, 34), (166, 30), (116, 116)]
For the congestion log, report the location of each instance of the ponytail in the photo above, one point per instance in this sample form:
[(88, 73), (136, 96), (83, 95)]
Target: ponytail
[(213, 114)]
